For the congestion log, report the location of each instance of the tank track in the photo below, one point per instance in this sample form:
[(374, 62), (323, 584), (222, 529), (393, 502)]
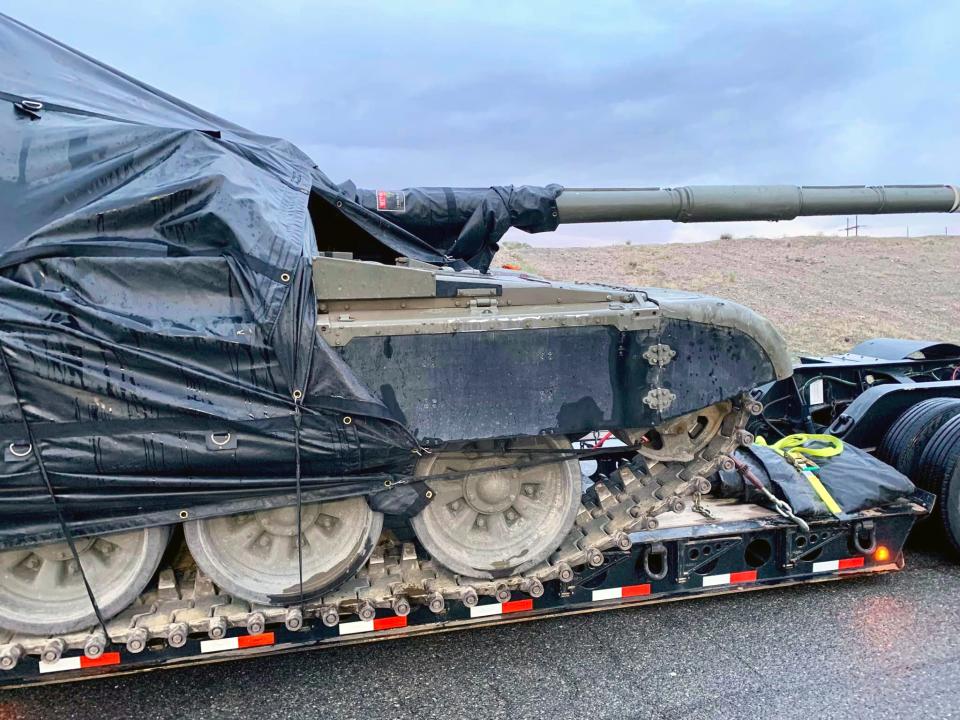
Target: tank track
[(187, 602)]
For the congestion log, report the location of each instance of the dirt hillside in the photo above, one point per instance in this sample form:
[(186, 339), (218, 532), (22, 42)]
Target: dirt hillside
[(823, 293)]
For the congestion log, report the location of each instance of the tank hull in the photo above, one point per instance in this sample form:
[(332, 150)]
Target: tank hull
[(569, 375), (464, 357)]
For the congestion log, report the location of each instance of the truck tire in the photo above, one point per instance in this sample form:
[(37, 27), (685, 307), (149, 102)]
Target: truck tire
[(908, 437), (939, 469)]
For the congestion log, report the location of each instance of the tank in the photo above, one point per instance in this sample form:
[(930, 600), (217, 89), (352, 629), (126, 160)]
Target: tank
[(498, 360), (214, 354)]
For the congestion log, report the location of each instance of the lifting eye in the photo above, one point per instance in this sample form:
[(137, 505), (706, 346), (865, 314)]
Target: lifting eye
[(220, 439), (20, 450)]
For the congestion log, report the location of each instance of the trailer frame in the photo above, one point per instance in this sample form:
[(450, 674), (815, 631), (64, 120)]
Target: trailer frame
[(742, 548)]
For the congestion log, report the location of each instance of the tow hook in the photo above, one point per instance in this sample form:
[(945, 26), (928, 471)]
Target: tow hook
[(865, 531), (655, 556)]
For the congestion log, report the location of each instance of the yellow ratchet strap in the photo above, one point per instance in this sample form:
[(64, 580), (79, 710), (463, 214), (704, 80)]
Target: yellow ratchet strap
[(794, 448)]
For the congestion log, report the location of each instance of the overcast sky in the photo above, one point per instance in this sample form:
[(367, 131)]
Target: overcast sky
[(393, 93)]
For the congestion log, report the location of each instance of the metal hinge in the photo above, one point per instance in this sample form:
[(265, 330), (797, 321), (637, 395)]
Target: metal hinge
[(659, 399), (484, 306), (659, 355)]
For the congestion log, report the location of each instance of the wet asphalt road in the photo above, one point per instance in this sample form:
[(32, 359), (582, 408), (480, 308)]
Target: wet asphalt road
[(882, 647)]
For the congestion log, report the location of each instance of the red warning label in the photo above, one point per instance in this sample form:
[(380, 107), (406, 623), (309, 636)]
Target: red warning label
[(389, 201)]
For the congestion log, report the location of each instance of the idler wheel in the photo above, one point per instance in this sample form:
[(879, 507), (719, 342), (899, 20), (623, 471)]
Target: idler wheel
[(254, 556), (489, 522), (682, 439), (41, 588)]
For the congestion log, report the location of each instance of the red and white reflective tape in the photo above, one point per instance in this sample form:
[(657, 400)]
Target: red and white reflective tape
[(80, 663), (744, 576), (363, 626), (506, 608), (835, 565), (619, 593), (237, 643)]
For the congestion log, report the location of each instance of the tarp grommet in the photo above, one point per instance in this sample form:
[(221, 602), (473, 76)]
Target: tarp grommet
[(297, 394), (285, 277), (184, 514), (347, 420)]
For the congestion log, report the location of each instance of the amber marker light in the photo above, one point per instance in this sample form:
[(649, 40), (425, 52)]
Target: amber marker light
[(882, 554)]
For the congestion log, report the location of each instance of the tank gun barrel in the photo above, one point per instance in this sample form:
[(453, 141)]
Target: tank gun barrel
[(721, 203)]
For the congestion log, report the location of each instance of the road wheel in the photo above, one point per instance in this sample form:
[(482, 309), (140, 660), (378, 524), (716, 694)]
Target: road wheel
[(487, 522), (42, 590), (254, 555)]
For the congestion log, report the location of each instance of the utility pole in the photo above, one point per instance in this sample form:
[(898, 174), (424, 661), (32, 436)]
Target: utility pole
[(855, 227)]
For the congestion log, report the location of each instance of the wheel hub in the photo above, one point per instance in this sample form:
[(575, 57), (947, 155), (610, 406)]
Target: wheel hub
[(60, 552), (491, 492), (282, 522)]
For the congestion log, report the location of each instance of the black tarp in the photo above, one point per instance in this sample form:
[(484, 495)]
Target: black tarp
[(464, 223), (855, 479), (157, 316)]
